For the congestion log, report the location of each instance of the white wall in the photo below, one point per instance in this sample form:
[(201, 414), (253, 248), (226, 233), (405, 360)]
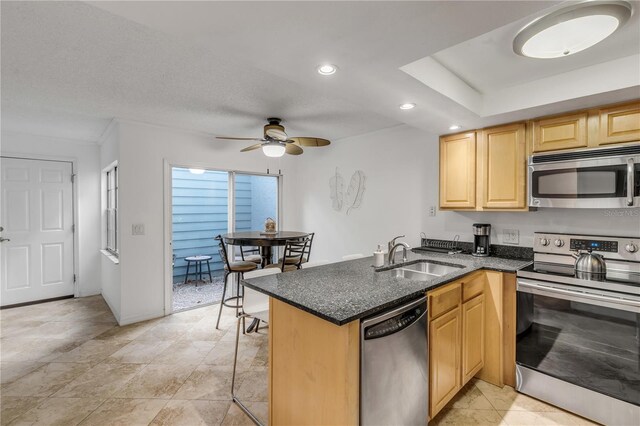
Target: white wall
[(392, 160), (401, 165), (111, 283), (143, 149), (87, 157)]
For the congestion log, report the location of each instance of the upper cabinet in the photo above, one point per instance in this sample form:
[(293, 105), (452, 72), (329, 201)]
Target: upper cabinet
[(458, 171), (490, 173), (487, 174), (588, 129), (502, 167), (619, 124), (565, 132)]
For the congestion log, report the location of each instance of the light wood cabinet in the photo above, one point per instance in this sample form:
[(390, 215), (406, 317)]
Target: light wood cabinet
[(473, 318), (444, 360), (619, 124), (456, 337), (458, 171), (563, 132), (502, 166)]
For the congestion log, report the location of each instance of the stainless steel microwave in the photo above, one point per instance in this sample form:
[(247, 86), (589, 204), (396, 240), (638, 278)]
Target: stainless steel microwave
[(590, 178)]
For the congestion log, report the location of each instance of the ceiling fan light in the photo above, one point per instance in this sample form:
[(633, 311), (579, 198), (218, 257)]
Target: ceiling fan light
[(273, 149), (572, 29)]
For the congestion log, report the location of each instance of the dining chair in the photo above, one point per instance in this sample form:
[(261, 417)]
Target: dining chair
[(251, 255), (238, 268), (254, 305), (293, 249), (352, 256), (306, 255)]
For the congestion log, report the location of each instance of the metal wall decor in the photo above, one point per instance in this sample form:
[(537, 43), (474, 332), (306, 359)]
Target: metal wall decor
[(352, 197)]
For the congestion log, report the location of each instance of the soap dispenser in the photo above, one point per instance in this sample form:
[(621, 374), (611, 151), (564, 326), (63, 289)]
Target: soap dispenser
[(378, 257)]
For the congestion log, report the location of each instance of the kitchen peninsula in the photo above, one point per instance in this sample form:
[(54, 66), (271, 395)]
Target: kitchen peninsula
[(314, 332)]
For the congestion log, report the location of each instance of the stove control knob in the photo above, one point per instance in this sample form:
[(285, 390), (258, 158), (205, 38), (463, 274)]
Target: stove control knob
[(544, 241), (558, 243), (631, 248)]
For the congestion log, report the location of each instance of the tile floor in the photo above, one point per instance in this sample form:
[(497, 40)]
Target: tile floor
[(68, 363)]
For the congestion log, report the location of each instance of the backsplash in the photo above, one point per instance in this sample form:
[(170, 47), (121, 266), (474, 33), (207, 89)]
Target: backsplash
[(498, 250)]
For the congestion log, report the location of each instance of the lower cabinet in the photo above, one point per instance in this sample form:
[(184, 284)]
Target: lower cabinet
[(444, 363), (472, 337), (456, 337)]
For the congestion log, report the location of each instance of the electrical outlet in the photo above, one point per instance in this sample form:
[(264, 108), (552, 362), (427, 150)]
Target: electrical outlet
[(137, 229), (511, 236), (432, 211)]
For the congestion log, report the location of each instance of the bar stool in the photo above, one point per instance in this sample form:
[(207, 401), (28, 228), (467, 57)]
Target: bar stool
[(294, 249), (198, 261), (231, 268)]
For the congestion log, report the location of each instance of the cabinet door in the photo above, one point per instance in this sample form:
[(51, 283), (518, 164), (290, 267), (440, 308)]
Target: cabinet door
[(566, 132), (458, 171), (472, 337), (444, 360), (502, 161), (619, 124)]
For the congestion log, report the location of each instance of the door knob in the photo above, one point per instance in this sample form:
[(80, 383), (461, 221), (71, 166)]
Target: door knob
[(2, 240)]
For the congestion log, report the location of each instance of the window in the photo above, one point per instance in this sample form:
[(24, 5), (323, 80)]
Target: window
[(112, 210)]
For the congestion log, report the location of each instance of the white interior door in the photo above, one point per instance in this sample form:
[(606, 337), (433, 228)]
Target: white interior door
[(37, 216)]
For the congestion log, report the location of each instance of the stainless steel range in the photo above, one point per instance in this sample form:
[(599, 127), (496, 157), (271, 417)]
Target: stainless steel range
[(578, 344)]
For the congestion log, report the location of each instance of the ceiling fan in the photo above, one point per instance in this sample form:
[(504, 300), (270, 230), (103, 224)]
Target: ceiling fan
[(276, 142)]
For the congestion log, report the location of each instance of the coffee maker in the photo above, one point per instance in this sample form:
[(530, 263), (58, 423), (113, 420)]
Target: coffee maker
[(481, 239)]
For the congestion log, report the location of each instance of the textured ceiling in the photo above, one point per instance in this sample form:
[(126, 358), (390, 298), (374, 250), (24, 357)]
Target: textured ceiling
[(223, 67)]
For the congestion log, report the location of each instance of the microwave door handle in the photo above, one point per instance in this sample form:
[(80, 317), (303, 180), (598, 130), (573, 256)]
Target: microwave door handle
[(527, 286), (630, 181)]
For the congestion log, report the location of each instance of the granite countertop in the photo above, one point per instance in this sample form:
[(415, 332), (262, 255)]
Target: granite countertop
[(345, 291)]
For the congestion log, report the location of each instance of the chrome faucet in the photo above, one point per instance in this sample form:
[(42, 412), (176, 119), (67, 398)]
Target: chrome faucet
[(391, 243), (392, 252)]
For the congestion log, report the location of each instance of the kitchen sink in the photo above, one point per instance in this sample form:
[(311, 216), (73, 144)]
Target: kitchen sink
[(423, 271)]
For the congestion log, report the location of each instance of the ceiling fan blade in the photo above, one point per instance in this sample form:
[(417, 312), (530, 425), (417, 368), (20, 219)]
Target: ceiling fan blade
[(251, 148), (306, 141), (293, 149), (276, 134), (239, 139)]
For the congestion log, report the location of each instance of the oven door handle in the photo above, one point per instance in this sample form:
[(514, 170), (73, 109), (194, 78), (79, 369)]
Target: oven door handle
[(529, 286), (630, 181)]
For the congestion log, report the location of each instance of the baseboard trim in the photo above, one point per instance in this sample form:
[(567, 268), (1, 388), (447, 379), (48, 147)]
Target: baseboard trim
[(141, 317), (36, 302), (115, 312)]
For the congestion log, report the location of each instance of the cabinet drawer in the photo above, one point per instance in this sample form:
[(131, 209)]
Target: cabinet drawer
[(444, 299), (473, 286)]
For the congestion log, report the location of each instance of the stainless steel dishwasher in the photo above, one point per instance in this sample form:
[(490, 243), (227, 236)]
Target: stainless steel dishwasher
[(394, 369)]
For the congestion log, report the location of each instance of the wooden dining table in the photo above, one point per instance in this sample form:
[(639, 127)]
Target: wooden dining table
[(264, 241)]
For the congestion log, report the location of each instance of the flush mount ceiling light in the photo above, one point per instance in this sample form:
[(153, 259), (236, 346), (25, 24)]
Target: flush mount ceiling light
[(327, 69), (454, 127), (274, 149), (571, 29), (196, 171), (407, 106)]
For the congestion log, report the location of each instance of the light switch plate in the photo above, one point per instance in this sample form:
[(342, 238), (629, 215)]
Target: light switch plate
[(137, 229), (511, 236)]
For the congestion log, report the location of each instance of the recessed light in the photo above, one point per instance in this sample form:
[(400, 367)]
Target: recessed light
[(571, 29), (407, 106), (327, 69), (454, 127)]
